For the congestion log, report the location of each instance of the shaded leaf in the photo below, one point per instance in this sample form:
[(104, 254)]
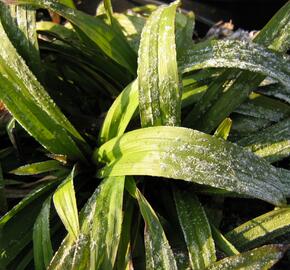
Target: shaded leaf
[(272, 143), (41, 237), (196, 230)]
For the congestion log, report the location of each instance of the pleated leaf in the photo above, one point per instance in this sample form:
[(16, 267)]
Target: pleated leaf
[(120, 113), (262, 258), (19, 23), (185, 154), (237, 54), (261, 229), (272, 143), (158, 82), (196, 230), (65, 204), (97, 242), (42, 247), (32, 107), (111, 42)]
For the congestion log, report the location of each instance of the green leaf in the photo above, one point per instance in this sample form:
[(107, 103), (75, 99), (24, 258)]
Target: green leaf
[(261, 229), (41, 237), (261, 258), (19, 23), (185, 154), (264, 107), (276, 90), (223, 129), (102, 35), (272, 143), (120, 113), (159, 93), (222, 242), (38, 168), (196, 230), (65, 204), (105, 232), (101, 223), (31, 105), (237, 54), (16, 226), (158, 252), (224, 95), (3, 200)]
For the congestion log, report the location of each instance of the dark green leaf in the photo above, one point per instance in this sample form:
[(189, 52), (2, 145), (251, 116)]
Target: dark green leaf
[(41, 237), (196, 230)]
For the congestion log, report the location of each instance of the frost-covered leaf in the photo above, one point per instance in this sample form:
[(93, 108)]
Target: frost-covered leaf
[(262, 258), (276, 90), (237, 54), (261, 229), (272, 143), (65, 204), (196, 230), (158, 82), (190, 155), (41, 237), (260, 106), (97, 243), (229, 90)]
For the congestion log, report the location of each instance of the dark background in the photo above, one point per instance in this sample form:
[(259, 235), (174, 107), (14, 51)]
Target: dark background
[(245, 14)]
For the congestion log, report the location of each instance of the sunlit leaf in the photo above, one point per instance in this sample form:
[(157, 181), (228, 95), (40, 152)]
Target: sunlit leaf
[(65, 204), (192, 156)]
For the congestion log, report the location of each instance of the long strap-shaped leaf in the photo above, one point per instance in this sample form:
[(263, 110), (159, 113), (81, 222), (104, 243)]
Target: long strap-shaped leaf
[(38, 168), (42, 247), (237, 54), (16, 226), (97, 243), (65, 204), (262, 258), (261, 229), (196, 230), (224, 95), (272, 143), (158, 251), (19, 24), (190, 155), (31, 105), (120, 113), (105, 37), (159, 93)]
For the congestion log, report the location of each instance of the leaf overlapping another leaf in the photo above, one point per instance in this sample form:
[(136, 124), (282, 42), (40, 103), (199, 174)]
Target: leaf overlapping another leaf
[(181, 153)]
